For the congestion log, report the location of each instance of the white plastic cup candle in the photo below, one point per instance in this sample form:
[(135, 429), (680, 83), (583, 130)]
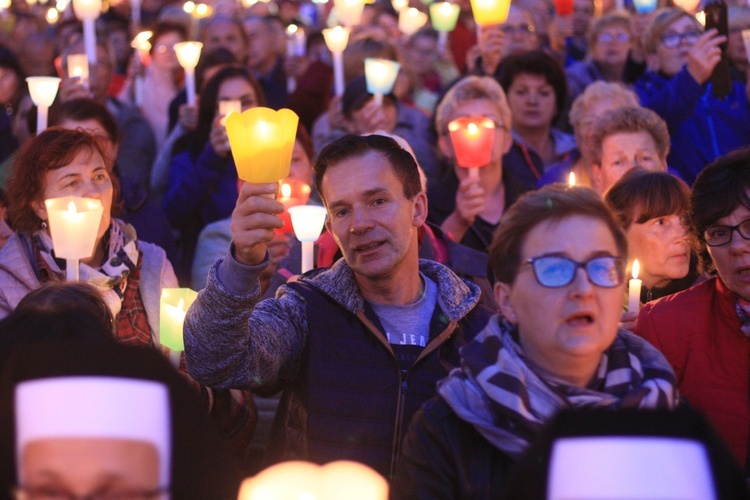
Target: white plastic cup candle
[(87, 11), (336, 39), (572, 179), (74, 226), (307, 221), (42, 90), (349, 11), (410, 20), (634, 289), (78, 67), (295, 46), (381, 75), (188, 54), (444, 16)]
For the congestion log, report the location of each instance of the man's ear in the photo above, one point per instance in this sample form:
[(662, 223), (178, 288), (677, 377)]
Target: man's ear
[(420, 209), (508, 142), (503, 300)]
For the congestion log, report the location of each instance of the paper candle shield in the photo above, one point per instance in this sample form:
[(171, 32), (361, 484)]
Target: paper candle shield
[(444, 16), (489, 12), (43, 89), (336, 38), (262, 141), (172, 308), (381, 75), (334, 481), (472, 141), (74, 224), (410, 20)]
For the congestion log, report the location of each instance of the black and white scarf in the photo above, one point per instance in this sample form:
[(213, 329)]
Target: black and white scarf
[(508, 401)]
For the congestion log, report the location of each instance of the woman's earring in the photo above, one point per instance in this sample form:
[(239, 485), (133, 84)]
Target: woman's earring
[(44, 224)]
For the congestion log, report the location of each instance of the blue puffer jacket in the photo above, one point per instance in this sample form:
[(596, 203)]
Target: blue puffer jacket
[(701, 127)]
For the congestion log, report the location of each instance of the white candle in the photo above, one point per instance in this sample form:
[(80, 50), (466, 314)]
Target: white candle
[(188, 54), (308, 222), (634, 289), (173, 306), (336, 39), (572, 179), (42, 90), (74, 226)]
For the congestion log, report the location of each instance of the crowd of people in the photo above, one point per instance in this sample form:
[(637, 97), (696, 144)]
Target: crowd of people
[(455, 317)]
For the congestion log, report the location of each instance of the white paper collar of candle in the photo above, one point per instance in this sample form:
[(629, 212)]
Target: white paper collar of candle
[(633, 467), (91, 406)]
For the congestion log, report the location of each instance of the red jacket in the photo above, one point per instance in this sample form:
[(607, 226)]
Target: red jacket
[(698, 331)]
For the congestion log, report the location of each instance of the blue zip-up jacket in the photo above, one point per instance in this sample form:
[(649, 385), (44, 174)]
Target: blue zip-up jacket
[(701, 127)]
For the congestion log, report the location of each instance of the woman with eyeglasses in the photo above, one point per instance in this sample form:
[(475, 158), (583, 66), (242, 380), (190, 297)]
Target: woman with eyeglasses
[(704, 331), (559, 261), (518, 34), (677, 86), (610, 42)]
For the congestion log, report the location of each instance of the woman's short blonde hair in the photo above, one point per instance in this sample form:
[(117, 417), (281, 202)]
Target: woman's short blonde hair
[(663, 19), (472, 88)]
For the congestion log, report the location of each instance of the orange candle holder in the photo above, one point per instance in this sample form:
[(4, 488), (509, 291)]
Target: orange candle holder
[(490, 12), (472, 140), (262, 141)]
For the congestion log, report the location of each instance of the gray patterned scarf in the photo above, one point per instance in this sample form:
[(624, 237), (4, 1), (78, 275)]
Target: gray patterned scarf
[(498, 391)]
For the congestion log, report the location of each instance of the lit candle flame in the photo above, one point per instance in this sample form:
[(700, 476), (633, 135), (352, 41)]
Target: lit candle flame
[(572, 179), (636, 269), (473, 129), (72, 208), (701, 17), (291, 29), (286, 190), (446, 9), (189, 7)]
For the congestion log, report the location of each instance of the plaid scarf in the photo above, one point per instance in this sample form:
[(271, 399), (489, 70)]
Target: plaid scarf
[(111, 278), (498, 391)]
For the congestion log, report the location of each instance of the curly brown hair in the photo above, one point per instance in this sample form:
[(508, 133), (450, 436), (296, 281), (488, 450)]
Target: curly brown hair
[(52, 149)]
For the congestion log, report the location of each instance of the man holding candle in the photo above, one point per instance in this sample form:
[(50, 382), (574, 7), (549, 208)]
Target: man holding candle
[(357, 347)]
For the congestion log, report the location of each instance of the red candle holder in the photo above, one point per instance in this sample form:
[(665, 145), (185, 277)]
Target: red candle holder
[(472, 140), (291, 194), (563, 7)]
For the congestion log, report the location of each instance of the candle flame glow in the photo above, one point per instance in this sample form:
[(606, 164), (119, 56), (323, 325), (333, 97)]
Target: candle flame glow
[(291, 29), (572, 179), (472, 129), (286, 190), (636, 269), (72, 208), (445, 8)]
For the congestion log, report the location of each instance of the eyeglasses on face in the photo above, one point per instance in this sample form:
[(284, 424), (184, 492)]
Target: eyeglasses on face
[(521, 29), (60, 494), (609, 38), (556, 271), (672, 40), (716, 236)]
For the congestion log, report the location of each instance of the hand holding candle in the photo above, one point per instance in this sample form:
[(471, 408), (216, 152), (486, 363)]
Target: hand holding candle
[(78, 67), (634, 289), (472, 140), (74, 226)]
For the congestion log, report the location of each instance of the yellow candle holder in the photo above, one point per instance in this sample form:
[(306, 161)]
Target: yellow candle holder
[(262, 141), (490, 12)]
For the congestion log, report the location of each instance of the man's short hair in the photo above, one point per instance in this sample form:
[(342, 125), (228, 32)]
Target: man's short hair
[(718, 190), (468, 89), (356, 146), (625, 120), (663, 19)]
